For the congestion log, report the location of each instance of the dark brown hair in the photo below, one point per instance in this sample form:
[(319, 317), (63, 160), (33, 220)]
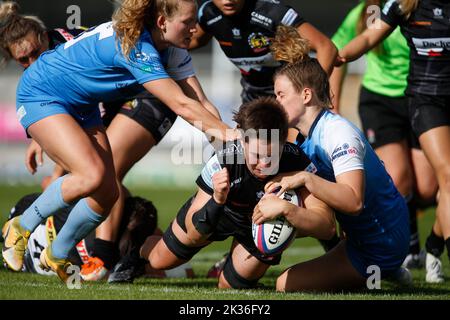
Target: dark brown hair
[(14, 27), (264, 113)]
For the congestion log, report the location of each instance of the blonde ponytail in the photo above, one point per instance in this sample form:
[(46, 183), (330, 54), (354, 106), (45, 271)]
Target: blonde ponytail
[(129, 21)]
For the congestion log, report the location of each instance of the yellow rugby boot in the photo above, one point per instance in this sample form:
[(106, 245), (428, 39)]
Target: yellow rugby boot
[(16, 240), (59, 266)]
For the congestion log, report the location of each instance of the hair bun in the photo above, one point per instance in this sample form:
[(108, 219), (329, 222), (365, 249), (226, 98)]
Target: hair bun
[(8, 9), (289, 46)]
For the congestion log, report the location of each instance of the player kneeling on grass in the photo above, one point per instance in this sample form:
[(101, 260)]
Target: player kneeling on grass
[(229, 188), (139, 222), (350, 178)]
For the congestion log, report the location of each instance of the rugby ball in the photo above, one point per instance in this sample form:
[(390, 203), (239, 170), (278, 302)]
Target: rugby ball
[(273, 236)]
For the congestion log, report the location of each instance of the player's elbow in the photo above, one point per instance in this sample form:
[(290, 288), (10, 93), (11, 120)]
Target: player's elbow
[(356, 207), (328, 230)]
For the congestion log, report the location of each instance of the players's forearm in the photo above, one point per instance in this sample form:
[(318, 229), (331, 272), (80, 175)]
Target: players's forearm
[(339, 196), (311, 222)]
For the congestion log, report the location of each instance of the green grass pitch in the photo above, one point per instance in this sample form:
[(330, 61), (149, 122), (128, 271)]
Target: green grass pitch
[(28, 286)]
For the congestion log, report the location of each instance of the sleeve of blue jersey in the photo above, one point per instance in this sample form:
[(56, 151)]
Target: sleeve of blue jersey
[(144, 63), (391, 13)]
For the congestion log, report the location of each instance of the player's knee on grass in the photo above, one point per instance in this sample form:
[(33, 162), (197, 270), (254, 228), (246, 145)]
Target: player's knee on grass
[(233, 278), (181, 251), (281, 283)]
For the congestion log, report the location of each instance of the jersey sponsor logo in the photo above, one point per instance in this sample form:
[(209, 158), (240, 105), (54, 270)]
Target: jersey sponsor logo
[(21, 112), (142, 57), (235, 182), (214, 20), (255, 63), (261, 19), (432, 47), (311, 168), (289, 148), (258, 42), (66, 35), (289, 17), (344, 150)]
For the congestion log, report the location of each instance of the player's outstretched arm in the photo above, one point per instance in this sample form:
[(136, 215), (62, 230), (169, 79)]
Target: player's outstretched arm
[(367, 40), (192, 88), (326, 50), (170, 93)]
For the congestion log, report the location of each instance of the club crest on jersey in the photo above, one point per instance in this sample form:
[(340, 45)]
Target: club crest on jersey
[(259, 194), (236, 33), (258, 42), (438, 13)]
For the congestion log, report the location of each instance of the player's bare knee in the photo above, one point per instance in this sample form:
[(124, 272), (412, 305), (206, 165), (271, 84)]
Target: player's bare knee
[(281, 283), (91, 180), (156, 261), (223, 283)]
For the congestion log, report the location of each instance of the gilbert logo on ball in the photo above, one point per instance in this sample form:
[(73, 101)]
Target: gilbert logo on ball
[(273, 236)]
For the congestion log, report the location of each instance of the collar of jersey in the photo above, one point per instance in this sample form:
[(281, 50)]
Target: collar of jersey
[(313, 126)]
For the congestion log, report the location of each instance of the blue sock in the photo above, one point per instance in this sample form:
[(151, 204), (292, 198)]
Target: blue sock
[(82, 220), (47, 204)]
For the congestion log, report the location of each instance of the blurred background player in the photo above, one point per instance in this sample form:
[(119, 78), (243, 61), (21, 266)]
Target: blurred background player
[(229, 187), (139, 221), (428, 93), (383, 110), (24, 37), (350, 178), (244, 29)]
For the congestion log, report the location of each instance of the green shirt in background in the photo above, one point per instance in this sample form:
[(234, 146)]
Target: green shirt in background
[(387, 67)]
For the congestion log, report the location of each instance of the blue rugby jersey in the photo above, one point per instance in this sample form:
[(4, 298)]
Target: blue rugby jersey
[(91, 68), (336, 146)]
